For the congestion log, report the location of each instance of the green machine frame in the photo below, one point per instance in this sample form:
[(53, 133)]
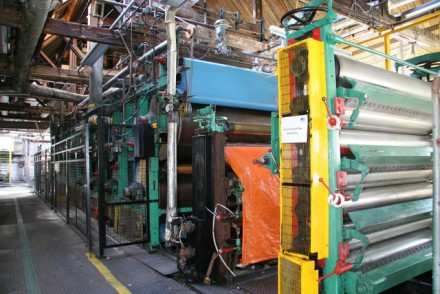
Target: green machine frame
[(348, 281)]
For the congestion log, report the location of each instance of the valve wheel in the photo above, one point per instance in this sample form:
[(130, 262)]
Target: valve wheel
[(307, 18)]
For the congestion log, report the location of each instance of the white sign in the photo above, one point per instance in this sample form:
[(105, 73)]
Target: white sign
[(294, 129), (6, 143)]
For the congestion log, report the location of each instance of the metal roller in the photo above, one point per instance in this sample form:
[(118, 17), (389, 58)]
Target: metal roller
[(346, 67), (389, 247), (392, 232), (352, 137), (245, 126), (390, 123), (376, 197), (389, 178)]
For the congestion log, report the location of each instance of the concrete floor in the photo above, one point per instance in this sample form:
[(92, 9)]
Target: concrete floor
[(40, 253)]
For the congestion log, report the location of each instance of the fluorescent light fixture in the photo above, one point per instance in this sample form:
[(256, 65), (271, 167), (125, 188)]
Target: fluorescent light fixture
[(423, 8), (277, 31), (173, 3), (393, 4), (373, 3)]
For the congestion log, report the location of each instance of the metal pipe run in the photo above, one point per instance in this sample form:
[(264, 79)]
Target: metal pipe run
[(125, 71), (386, 248), (56, 94), (385, 122), (35, 15), (122, 14), (389, 178), (353, 137), (170, 21), (436, 184), (390, 233), (95, 81), (376, 197)]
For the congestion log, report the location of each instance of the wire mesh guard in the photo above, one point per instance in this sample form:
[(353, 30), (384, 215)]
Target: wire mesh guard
[(69, 180), (125, 223), (42, 175), (295, 158), (290, 274)]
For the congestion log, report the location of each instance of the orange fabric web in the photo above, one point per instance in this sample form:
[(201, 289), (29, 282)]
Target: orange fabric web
[(261, 204)]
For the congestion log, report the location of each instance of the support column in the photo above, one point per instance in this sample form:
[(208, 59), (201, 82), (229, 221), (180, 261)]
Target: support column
[(95, 94), (436, 182), (387, 46)]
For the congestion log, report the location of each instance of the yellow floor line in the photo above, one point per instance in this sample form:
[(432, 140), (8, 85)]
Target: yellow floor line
[(108, 276)]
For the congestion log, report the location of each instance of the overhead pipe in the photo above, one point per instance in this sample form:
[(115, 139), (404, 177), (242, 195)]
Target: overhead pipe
[(96, 68), (436, 182), (53, 93), (374, 18), (109, 92), (126, 70), (35, 15), (95, 81), (170, 21), (94, 53)]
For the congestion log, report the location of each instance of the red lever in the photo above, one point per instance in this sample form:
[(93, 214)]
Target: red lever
[(326, 106), (332, 121), (226, 250), (334, 118), (325, 185), (341, 265), (161, 59), (130, 144)]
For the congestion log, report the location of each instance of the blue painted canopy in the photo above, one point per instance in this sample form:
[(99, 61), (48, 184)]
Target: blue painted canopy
[(224, 85)]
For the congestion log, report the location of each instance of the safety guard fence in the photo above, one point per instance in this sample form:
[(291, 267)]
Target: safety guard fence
[(42, 175), (67, 178)]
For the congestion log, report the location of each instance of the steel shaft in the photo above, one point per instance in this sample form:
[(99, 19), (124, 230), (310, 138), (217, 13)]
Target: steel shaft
[(377, 197)]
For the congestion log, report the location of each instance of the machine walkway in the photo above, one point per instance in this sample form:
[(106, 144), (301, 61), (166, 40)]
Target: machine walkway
[(40, 253)]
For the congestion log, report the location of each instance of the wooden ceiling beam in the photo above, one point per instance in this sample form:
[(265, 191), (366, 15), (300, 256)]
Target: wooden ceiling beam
[(48, 59), (88, 33), (32, 125), (28, 109), (75, 49), (257, 9), (25, 117), (57, 75), (10, 17), (42, 72)]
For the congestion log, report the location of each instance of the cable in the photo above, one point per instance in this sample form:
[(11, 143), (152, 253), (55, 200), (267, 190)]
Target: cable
[(123, 135), (214, 239)]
